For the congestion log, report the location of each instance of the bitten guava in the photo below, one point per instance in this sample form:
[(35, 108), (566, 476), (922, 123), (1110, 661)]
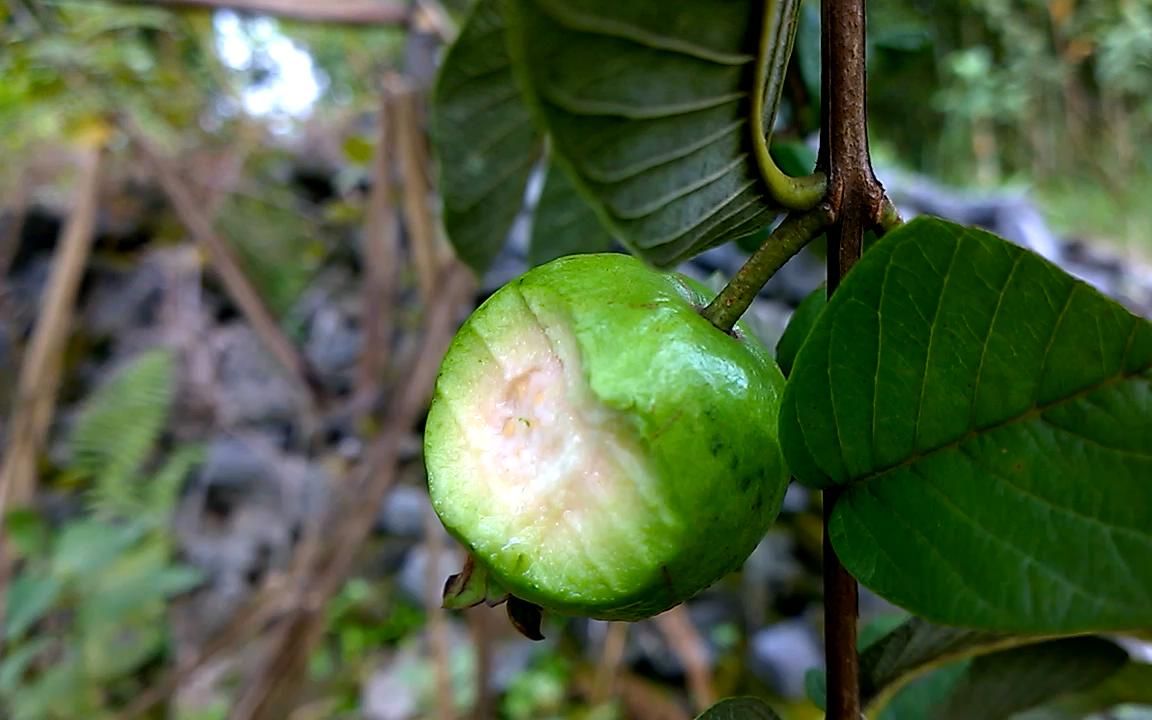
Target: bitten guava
[(599, 446)]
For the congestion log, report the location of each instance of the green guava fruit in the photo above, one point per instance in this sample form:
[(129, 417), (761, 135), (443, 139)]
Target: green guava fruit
[(600, 447)]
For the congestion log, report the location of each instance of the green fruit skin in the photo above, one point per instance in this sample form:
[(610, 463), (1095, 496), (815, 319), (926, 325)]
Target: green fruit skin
[(701, 406)]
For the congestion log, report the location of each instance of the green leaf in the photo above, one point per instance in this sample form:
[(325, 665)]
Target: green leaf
[(60, 691), (119, 426), (923, 697), (1132, 685), (563, 223), (29, 597), (485, 139), (739, 708), (27, 532), (163, 489), (799, 325), (18, 661), (988, 417), (916, 646), (794, 157), (650, 105), (358, 149), (998, 686), (895, 653), (86, 547)]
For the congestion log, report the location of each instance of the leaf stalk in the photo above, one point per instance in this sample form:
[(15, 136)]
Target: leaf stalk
[(789, 238)]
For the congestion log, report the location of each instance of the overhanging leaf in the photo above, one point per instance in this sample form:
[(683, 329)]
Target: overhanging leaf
[(989, 419), (922, 670), (998, 686), (915, 647), (899, 654), (651, 105), (1132, 685), (739, 708), (563, 223), (799, 325), (484, 136)]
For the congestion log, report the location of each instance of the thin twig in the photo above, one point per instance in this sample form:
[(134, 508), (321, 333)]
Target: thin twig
[(480, 623), (266, 609), (227, 265), (437, 621), (611, 658), (686, 642), (43, 364), (381, 251), (411, 145), (276, 684)]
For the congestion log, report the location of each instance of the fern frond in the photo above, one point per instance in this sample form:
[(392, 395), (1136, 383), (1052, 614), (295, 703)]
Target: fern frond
[(118, 429), (164, 488)]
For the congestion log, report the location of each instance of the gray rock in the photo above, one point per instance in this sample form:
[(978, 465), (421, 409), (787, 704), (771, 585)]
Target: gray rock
[(389, 693), (419, 570), (249, 388), (782, 653), (796, 498), (403, 512), (240, 519)]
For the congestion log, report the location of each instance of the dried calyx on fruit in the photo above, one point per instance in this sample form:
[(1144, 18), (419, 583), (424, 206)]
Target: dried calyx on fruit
[(598, 446)]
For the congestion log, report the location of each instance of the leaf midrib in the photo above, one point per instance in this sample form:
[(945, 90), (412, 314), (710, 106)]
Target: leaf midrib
[(1031, 413)]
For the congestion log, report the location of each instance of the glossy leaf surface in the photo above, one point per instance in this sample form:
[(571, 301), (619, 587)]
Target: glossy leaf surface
[(990, 418)]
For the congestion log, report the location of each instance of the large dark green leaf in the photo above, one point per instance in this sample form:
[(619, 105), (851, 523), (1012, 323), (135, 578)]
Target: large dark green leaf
[(739, 708), (650, 105), (799, 325), (923, 670), (998, 686), (485, 139), (989, 418), (899, 654), (563, 223), (1132, 685), (916, 646)]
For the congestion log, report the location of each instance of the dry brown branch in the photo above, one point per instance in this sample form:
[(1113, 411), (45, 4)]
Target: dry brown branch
[(437, 621), (266, 609), (611, 658), (343, 12), (43, 364), (227, 265), (480, 623), (412, 147), (381, 252), (640, 699), (276, 686), (685, 641)]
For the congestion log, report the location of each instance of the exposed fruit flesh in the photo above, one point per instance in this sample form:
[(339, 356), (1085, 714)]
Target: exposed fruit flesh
[(598, 446), (552, 468)]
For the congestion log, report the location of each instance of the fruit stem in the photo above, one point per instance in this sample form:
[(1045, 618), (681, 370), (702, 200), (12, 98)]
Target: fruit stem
[(796, 231)]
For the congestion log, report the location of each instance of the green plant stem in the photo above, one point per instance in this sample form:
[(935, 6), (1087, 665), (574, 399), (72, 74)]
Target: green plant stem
[(777, 33), (796, 231)]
